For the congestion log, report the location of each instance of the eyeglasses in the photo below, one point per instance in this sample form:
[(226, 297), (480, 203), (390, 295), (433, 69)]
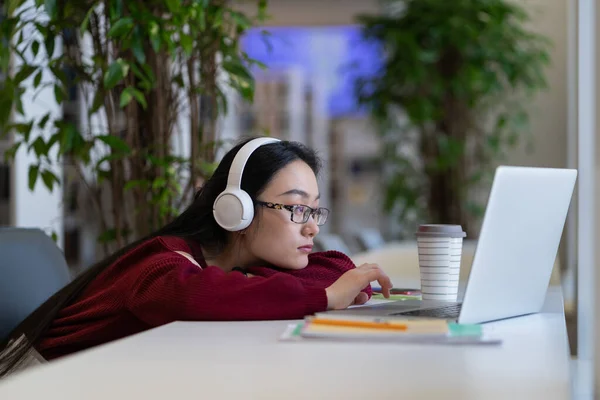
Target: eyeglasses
[(300, 213)]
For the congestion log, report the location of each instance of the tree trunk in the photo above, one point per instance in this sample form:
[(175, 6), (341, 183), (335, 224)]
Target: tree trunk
[(447, 201)]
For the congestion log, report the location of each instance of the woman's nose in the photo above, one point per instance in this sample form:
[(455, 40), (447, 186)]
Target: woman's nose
[(311, 228)]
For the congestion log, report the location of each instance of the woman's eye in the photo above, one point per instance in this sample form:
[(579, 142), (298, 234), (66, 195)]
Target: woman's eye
[(299, 210)]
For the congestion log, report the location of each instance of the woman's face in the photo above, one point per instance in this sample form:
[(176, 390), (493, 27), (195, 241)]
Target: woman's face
[(273, 237)]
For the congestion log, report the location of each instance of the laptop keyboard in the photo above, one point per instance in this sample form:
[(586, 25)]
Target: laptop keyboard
[(449, 311)]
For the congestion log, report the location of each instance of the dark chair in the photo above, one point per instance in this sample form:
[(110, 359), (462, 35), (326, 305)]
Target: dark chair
[(330, 241), (32, 268), (370, 239)]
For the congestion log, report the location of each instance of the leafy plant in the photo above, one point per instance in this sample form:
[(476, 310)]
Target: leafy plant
[(144, 70), (450, 99)]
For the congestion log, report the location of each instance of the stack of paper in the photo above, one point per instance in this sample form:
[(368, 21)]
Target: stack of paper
[(434, 331)]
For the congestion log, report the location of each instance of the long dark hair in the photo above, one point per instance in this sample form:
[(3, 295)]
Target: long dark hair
[(196, 223)]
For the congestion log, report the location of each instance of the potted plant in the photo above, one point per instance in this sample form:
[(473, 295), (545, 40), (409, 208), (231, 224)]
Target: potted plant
[(145, 72), (450, 99)]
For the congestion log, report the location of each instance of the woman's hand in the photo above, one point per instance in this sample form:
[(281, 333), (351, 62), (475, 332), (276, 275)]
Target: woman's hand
[(347, 289)]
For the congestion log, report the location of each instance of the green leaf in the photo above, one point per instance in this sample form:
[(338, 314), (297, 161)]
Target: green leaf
[(140, 75), (240, 78), (33, 175), (208, 168), (110, 157), (38, 79), (71, 140), (186, 43), (9, 154), (49, 179), (35, 48), (201, 19), (240, 19), (259, 64), (97, 102), (86, 21), (39, 147), (126, 98), (115, 73), (103, 175), (50, 6), (137, 46), (24, 72), (149, 73), (159, 183), (59, 93), (139, 96), (131, 93), (107, 236), (24, 129), (154, 32), (85, 152), (178, 79), (115, 9), (136, 183), (44, 121), (49, 43), (53, 140), (173, 5), (115, 143), (262, 10), (59, 73), (235, 68), (217, 19), (19, 106), (121, 28), (221, 101)]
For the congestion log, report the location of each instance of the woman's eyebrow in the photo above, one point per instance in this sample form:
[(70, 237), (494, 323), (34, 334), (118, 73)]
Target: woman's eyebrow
[(299, 192)]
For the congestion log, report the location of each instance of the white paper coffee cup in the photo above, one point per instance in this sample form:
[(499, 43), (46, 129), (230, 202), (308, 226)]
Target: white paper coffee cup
[(440, 251)]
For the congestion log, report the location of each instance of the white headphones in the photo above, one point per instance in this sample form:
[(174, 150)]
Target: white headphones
[(233, 209)]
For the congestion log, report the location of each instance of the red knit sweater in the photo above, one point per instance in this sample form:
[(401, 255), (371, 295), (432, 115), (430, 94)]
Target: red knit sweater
[(153, 285)]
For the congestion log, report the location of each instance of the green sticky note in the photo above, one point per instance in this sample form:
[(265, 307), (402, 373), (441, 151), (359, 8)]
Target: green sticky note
[(464, 329), (297, 330)]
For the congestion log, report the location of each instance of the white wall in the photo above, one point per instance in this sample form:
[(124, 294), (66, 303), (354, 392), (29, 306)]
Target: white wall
[(39, 208), (549, 110), (312, 12)]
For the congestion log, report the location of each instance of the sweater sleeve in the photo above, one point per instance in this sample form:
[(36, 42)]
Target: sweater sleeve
[(323, 269), (173, 289)]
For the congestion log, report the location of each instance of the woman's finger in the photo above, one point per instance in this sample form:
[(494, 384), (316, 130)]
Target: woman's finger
[(361, 298), (383, 280), (386, 285)]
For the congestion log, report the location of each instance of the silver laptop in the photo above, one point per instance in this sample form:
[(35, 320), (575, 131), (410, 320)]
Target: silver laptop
[(515, 253)]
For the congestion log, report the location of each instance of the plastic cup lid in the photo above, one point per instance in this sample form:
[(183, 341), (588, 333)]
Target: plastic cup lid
[(440, 230)]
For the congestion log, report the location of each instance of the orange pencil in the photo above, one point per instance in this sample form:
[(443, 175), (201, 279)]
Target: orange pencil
[(361, 324)]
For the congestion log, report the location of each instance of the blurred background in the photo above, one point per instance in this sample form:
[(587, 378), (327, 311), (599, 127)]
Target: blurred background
[(112, 115)]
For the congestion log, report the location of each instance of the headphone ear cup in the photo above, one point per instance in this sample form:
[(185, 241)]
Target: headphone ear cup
[(233, 210)]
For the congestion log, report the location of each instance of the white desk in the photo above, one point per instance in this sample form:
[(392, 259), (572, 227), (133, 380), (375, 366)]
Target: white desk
[(244, 360)]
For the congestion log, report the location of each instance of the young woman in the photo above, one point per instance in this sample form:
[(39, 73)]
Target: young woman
[(208, 264)]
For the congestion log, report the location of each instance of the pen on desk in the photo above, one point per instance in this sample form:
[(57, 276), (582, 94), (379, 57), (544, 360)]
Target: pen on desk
[(406, 292), (361, 324)]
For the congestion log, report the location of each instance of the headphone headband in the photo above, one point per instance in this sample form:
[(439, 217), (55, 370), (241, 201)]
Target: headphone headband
[(241, 158)]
